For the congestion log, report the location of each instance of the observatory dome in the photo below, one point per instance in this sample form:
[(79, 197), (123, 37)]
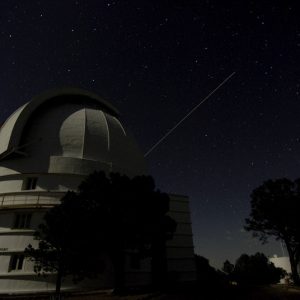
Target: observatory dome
[(47, 147), (69, 131)]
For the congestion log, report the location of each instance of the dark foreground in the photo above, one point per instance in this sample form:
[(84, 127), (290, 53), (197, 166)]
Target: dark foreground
[(274, 292)]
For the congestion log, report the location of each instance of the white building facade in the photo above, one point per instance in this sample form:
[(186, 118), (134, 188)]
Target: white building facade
[(47, 147)]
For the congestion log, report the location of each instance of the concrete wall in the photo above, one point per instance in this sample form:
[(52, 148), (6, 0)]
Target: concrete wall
[(180, 250)]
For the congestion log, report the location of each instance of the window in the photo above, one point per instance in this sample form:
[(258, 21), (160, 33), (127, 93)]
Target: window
[(29, 183), (22, 220), (16, 262)]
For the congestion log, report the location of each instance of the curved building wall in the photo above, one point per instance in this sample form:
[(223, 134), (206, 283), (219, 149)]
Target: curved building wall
[(48, 146)]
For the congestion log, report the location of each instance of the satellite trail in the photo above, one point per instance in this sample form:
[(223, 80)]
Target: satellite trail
[(187, 115)]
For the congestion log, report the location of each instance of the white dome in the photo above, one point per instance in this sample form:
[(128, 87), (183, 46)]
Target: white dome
[(69, 131)]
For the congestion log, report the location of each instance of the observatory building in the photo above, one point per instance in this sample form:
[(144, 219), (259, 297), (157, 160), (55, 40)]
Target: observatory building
[(47, 147)]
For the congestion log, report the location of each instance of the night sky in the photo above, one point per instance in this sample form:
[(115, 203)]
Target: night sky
[(156, 60)]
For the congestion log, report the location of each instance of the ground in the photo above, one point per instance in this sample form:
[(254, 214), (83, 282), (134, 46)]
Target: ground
[(274, 292)]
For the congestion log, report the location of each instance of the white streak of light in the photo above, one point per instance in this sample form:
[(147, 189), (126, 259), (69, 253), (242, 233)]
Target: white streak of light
[(187, 115)]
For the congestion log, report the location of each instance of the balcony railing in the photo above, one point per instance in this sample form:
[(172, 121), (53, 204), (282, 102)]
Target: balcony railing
[(30, 198)]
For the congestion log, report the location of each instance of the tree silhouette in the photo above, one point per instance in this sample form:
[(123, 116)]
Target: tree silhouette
[(256, 269), (107, 217), (275, 212), (64, 239), (228, 267)]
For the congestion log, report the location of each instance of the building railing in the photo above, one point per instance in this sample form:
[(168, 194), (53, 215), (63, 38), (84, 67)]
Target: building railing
[(32, 198)]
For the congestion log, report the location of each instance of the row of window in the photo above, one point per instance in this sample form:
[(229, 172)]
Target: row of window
[(22, 220)]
